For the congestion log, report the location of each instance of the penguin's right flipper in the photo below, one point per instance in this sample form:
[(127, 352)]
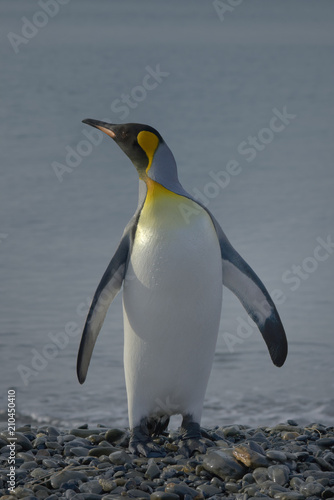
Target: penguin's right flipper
[(107, 290), (240, 278)]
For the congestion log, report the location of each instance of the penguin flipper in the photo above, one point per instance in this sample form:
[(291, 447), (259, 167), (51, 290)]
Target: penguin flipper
[(240, 278), (106, 291)]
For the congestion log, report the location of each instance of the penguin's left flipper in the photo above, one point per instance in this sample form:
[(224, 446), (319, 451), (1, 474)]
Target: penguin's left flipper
[(240, 278), (107, 290)]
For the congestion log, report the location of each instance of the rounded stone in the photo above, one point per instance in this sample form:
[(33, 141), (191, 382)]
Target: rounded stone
[(279, 474), (138, 494), (223, 465), (21, 492), (182, 489), (289, 436), (260, 475), (49, 464), (29, 465), (79, 451), (21, 440), (119, 458), (232, 487), (107, 484), (277, 455), (325, 442), (249, 457), (208, 490), (26, 456), (163, 495), (312, 489), (99, 451), (64, 476), (152, 471), (91, 487), (113, 435), (328, 493), (83, 433), (291, 495), (230, 431), (39, 473), (296, 483)]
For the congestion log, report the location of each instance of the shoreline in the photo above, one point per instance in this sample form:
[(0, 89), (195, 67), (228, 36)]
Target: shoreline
[(286, 461)]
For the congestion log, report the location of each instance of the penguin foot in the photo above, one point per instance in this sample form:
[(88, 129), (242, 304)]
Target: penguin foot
[(141, 442), (146, 449), (157, 426), (191, 437), (190, 446)]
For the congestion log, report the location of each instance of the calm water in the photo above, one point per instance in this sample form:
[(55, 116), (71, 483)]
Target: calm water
[(217, 86)]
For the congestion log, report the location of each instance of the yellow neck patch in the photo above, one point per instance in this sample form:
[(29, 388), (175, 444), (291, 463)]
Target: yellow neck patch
[(149, 143)]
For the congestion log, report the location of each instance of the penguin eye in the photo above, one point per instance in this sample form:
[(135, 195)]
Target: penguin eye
[(124, 135)]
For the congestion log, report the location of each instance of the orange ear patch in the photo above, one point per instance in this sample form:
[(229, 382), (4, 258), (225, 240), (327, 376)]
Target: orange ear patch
[(149, 143)]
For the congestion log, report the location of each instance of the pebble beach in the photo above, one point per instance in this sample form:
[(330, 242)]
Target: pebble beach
[(286, 462)]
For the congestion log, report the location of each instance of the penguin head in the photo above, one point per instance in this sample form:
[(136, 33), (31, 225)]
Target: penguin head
[(145, 147)]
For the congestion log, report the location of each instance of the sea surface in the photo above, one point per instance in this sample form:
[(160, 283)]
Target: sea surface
[(251, 87)]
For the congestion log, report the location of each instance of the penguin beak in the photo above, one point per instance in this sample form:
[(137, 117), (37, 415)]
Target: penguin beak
[(105, 127)]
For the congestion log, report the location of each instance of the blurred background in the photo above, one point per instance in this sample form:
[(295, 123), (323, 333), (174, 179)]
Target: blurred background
[(211, 77)]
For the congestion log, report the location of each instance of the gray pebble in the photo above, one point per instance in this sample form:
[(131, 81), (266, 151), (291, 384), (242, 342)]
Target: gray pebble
[(181, 489), (230, 431), (296, 483), (275, 489), (138, 494), (99, 451), (49, 464), (91, 487), (163, 495), (21, 492), (69, 494), (277, 455), (119, 458), (39, 473), (29, 465), (53, 445), (83, 433), (328, 493), (319, 474), (39, 442), (279, 474), (223, 465), (325, 442), (107, 484), (153, 470), (86, 496), (79, 451), (208, 490), (52, 431), (21, 440), (66, 438), (66, 475), (168, 474), (291, 495), (26, 456), (259, 438), (260, 475), (310, 489), (113, 435), (251, 490), (232, 487)]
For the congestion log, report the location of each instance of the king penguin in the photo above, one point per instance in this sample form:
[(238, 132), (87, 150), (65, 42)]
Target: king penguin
[(173, 260)]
